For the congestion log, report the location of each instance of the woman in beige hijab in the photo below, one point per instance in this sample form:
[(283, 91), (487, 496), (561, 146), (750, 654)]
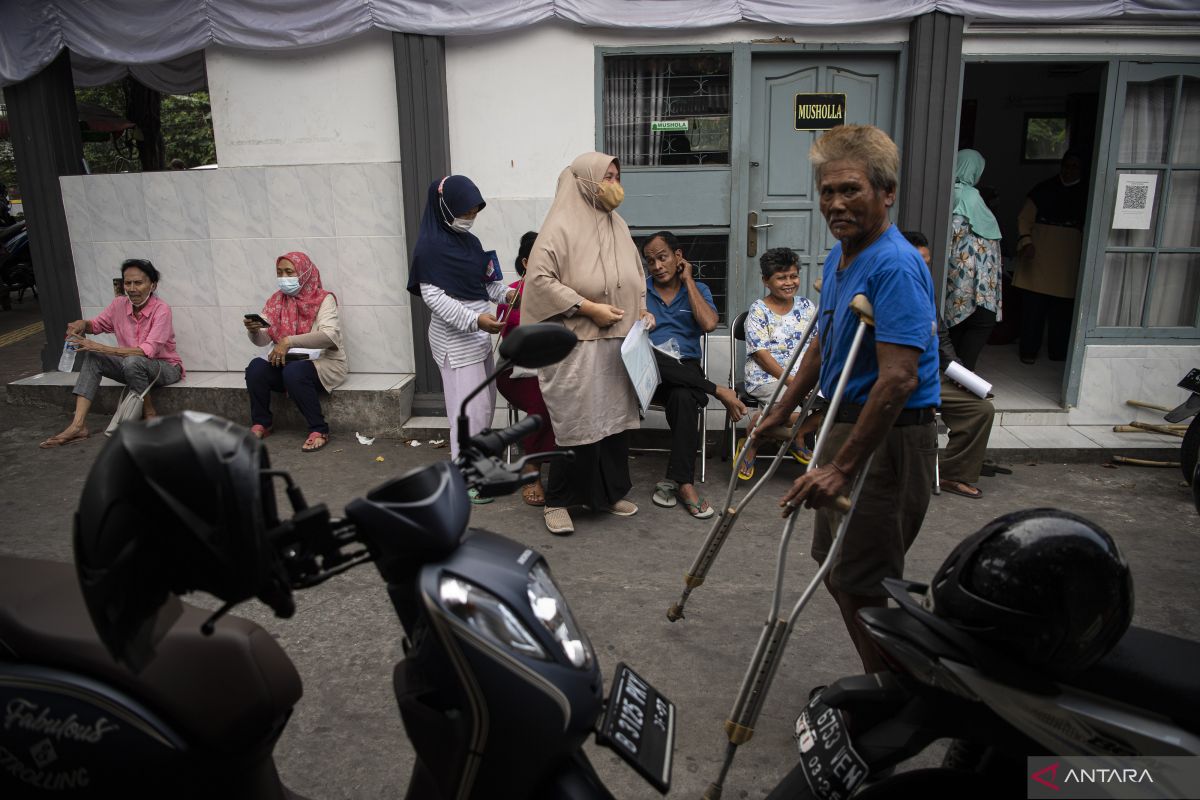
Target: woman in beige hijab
[(585, 272)]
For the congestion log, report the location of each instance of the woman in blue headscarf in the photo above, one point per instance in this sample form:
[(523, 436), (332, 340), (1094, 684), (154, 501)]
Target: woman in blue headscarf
[(973, 276), (459, 282)]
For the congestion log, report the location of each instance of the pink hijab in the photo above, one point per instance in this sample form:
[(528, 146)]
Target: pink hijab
[(294, 316)]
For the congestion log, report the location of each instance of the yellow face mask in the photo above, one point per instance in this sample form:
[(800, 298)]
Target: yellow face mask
[(609, 194)]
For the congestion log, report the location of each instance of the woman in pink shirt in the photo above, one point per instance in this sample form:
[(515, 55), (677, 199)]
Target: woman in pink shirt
[(145, 347)]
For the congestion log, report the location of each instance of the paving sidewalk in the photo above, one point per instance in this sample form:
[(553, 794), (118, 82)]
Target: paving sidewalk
[(620, 575)]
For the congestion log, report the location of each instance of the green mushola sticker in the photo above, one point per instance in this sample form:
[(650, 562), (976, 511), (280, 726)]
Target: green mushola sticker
[(669, 125)]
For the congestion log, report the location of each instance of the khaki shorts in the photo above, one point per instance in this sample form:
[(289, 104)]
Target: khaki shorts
[(889, 512)]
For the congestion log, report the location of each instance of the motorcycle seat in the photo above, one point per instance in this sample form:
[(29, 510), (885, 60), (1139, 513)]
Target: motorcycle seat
[(1149, 670), (226, 692)]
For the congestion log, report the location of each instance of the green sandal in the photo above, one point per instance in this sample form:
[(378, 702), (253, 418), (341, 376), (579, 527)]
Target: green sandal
[(664, 494), (698, 510)]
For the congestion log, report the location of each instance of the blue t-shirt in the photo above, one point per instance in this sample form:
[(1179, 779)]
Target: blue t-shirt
[(891, 273), (676, 319)]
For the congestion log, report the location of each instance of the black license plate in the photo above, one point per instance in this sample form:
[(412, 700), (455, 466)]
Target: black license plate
[(639, 723), (832, 767)]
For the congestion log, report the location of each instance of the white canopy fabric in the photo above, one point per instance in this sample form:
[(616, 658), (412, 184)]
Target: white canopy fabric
[(172, 33)]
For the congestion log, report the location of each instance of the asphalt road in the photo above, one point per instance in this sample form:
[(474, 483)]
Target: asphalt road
[(620, 576)]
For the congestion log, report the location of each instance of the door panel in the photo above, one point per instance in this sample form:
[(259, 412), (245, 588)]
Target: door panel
[(781, 183)]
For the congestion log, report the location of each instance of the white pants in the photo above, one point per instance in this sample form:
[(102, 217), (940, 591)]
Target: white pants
[(457, 382)]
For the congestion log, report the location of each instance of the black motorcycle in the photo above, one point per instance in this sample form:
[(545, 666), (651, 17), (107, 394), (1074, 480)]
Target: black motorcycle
[(16, 264), (110, 686), (1189, 450), (1019, 647)]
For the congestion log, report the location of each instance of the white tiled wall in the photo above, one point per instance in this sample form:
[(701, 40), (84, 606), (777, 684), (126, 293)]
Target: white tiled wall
[(215, 236), (1113, 374)]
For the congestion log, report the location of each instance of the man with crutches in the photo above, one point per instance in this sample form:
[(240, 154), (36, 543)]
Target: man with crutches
[(892, 391)]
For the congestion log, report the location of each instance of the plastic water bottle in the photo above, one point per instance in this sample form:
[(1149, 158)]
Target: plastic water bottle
[(66, 362)]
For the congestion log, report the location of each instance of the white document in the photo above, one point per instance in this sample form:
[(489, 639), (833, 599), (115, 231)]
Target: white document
[(313, 353), (1135, 201), (638, 355), (968, 380)]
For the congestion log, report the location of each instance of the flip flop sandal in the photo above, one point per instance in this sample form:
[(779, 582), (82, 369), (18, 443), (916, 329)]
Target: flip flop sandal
[(952, 488), (802, 454), (58, 440), (664, 494), (260, 431), (473, 494), (314, 442), (698, 510), (533, 495), (745, 468)]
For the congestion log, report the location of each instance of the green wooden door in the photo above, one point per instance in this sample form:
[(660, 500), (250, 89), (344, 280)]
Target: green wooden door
[(783, 208)]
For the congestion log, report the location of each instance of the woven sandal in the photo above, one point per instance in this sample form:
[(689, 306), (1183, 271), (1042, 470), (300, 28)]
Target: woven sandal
[(622, 508), (558, 521)]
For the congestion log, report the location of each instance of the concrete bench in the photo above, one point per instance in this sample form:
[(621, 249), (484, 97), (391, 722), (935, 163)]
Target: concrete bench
[(375, 404)]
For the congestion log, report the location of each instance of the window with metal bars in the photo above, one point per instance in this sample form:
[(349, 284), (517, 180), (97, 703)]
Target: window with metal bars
[(667, 110)]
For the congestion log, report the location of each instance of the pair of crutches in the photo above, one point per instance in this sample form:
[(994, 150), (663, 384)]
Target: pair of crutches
[(723, 524), (768, 654)]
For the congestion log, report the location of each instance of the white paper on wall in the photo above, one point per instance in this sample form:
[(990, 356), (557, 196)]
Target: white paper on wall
[(1135, 201)]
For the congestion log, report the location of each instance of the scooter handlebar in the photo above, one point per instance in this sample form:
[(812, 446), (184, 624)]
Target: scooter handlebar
[(492, 443)]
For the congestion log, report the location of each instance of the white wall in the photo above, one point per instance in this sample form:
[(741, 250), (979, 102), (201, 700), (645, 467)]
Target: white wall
[(1113, 374), (522, 106), (215, 235), (324, 105), (309, 150), (1123, 39)]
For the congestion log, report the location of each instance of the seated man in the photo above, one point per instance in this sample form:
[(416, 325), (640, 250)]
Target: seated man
[(968, 417), (683, 310)]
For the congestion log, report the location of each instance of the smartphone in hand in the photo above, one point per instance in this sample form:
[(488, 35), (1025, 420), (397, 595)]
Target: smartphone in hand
[(257, 318)]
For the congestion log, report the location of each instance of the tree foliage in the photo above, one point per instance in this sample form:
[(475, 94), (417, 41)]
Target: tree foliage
[(186, 130)]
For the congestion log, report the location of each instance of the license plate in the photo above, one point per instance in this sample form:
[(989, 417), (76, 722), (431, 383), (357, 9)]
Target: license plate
[(832, 767), (639, 723)]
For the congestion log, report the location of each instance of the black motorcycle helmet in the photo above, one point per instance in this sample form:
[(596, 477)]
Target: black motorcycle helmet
[(1047, 586), (175, 505)]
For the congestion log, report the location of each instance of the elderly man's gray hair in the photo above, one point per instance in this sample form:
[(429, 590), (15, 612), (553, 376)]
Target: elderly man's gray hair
[(866, 144)]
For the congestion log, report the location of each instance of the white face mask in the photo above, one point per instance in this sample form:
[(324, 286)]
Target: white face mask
[(289, 285), (462, 224)]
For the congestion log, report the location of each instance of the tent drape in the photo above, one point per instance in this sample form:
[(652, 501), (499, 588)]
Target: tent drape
[(134, 32)]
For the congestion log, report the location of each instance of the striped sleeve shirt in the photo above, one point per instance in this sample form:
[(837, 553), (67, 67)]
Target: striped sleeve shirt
[(454, 334)]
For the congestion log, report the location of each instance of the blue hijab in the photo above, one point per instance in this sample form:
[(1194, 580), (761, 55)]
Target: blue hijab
[(452, 261)]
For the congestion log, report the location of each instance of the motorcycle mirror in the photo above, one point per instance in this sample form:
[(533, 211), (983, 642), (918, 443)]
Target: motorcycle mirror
[(533, 346)]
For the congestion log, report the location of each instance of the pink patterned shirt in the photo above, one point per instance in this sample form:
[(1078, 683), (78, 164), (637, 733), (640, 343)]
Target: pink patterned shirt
[(150, 328)]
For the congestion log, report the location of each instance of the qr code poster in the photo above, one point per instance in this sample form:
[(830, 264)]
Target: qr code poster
[(1135, 201)]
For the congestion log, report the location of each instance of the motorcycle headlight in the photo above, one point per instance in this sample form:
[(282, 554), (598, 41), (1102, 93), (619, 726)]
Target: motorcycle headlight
[(552, 611), (488, 616)]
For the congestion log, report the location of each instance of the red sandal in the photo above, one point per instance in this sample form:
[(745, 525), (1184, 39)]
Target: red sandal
[(315, 442)]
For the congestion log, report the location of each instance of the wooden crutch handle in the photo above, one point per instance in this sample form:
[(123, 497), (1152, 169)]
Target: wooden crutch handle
[(842, 504), (862, 306)]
